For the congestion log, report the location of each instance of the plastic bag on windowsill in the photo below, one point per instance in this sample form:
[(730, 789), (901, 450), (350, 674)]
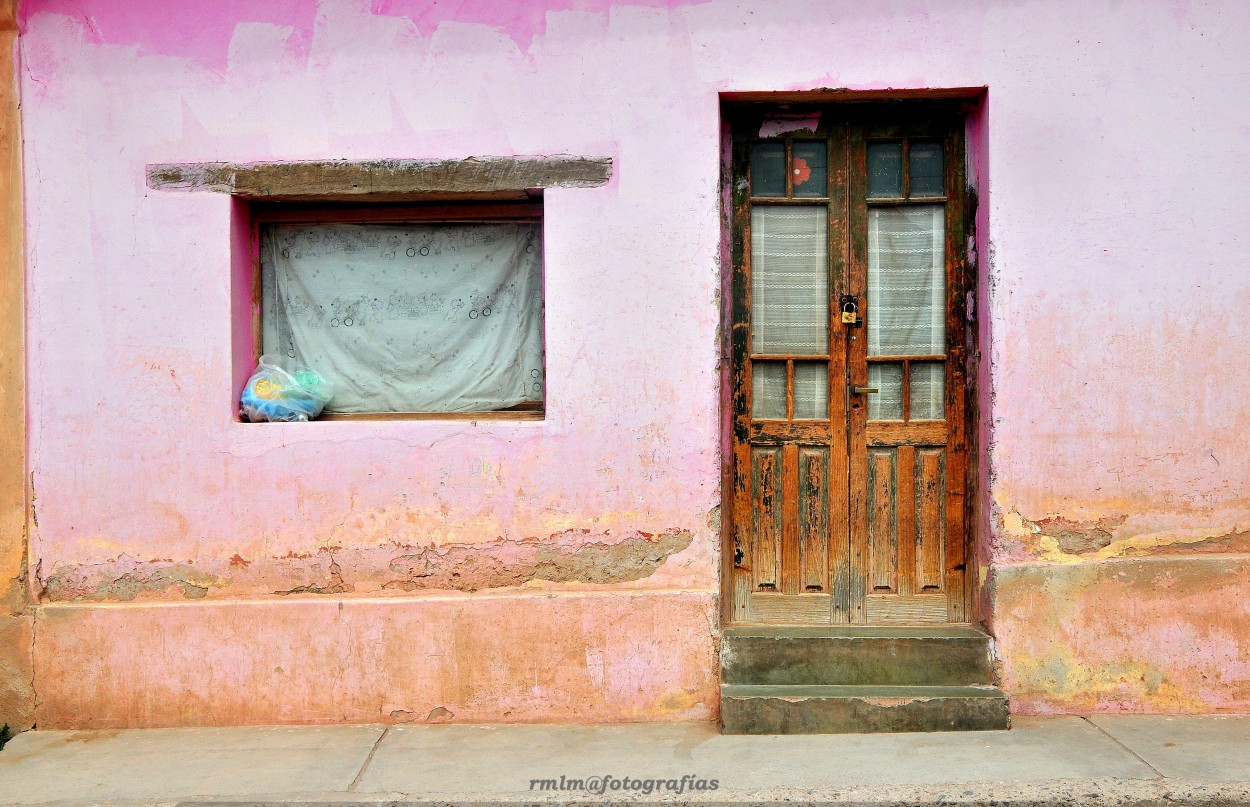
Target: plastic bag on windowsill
[(274, 393)]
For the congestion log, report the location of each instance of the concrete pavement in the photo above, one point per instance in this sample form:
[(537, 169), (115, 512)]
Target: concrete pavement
[(1063, 760)]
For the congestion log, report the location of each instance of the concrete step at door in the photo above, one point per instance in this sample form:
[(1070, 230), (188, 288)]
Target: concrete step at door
[(856, 655), (842, 709)]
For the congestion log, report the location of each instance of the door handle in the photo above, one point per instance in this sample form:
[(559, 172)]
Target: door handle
[(863, 390)]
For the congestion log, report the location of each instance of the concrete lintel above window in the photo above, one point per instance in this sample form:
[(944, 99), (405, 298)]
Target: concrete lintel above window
[(383, 180)]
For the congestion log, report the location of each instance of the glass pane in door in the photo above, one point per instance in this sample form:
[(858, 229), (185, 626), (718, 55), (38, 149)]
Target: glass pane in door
[(928, 390), (768, 390), (768, 169), (811, 168), (887, 402), (906, 281), (811, 390), (885, 170), (926, 168), (789, 280)]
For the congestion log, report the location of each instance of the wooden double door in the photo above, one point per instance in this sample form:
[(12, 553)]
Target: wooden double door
[(848, 349)]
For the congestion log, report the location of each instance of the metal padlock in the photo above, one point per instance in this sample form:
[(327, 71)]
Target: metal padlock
[(850, 310)]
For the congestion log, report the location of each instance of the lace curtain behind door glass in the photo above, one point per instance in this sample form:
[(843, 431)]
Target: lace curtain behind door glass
[(906, 302), (790, 306)]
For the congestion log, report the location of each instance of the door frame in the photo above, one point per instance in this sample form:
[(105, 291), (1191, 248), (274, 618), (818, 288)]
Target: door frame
[(969, 103)]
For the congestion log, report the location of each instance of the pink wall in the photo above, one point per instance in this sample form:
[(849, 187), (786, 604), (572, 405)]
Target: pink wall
[(1114, 283)]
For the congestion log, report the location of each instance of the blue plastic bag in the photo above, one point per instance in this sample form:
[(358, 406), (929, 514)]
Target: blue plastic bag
[(277, 394)]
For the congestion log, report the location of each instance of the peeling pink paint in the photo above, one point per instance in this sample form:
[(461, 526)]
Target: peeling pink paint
[(520, 21), (776, 125), (199, 30), (203, 31)]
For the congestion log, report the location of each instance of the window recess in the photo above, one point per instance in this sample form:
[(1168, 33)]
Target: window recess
[(410, 310), (415, 285)]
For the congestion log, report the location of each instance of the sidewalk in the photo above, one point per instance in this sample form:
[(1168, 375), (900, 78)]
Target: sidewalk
[(1064, 760)]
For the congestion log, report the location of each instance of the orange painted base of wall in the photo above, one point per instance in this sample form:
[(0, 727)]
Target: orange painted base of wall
[(524, 658), (1161, 635), (1154, 635), (17, 697)]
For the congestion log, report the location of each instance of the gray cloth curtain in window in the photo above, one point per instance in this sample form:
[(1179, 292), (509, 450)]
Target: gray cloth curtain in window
[(408, 318)]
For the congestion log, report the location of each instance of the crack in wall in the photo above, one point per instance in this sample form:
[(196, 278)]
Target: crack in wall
[(336, 585), (1066, 540), (1075, 537), (514, 563), (130, 584), (572, 556)]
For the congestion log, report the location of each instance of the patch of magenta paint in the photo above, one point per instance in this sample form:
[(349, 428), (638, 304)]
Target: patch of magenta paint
[(521, 20), (784, 124), (194, 29)]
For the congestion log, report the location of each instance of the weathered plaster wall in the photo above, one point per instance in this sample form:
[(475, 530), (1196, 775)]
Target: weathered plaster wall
[(1111, 300), (1120, 472), (569, 657), (1142, 634), (17, 701)]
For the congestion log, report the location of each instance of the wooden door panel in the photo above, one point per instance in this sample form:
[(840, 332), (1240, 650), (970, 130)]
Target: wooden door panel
[(766, 516), (907, 534), (790, 507), (813, 512), (892, 433), (882, 520), (930, 496), (801, 609), (894, 609)]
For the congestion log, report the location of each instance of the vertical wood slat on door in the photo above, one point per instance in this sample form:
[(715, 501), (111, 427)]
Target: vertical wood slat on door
[(857, 375), (957, 284), (814, 518), (845, 599), (905, 494), (930, 518), (766, 516), (742, 557), (955, 568), (883, 520), (790, 519)]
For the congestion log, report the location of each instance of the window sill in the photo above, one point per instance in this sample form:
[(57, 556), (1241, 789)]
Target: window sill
[(530, 410), (246, 439), (507, 414)]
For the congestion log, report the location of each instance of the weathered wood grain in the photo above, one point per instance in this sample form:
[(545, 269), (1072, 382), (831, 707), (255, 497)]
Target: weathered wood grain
[(766, 516), (814, 518)]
